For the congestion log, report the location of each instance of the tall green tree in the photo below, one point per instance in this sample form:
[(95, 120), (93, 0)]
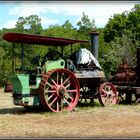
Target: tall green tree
[(68, 25), (134, 21), (119, 24), (115, 26), (20, 24), (33, 23), (30, 24), (85, 26)]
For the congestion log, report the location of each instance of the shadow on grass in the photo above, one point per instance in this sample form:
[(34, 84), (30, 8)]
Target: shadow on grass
[(90, 103), (21, 110)]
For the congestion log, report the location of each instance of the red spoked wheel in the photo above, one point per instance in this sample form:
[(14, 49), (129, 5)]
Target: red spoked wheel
[(59, 90), (107, 94)]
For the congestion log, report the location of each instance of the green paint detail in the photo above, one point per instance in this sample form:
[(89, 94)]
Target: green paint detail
[(36, 101), (31, 101), (38, 79), (49, 65), (27, 101), (20, 83), (21, 86)]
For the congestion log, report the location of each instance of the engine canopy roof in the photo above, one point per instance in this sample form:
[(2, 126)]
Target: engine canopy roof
[(39, 39)]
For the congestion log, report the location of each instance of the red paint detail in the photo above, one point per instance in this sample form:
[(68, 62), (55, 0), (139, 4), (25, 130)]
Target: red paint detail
[(39, 39)]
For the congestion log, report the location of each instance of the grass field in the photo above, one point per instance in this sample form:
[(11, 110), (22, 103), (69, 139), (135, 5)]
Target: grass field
[(92, 121)]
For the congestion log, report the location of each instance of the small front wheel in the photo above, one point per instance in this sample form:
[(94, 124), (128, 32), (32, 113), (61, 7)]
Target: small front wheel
[(107, 94)]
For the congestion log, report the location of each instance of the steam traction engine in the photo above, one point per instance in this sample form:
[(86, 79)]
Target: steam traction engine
[(59, 81)]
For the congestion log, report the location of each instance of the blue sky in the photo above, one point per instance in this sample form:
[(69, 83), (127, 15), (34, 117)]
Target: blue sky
[(57, 12)]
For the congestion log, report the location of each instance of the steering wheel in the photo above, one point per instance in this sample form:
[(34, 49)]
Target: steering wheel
[(52, 55), (35, 60)]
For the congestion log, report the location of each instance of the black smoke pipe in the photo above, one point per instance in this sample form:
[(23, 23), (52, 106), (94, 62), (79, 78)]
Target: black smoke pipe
[(94, 43)]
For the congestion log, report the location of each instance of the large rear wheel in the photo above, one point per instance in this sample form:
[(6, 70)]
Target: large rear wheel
[(59, 90)]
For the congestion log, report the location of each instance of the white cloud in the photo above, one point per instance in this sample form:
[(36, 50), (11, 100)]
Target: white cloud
[(26, 9), (100, 11), (46, 21), (70, 8), (9, 24)]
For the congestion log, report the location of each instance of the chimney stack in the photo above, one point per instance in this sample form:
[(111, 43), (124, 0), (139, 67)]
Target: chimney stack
[(94, 43)]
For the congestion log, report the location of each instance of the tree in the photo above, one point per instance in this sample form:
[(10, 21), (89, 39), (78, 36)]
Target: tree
[(30, 24), (20, 24), (67, 25), (134, 21), (115, 26), (33, 23), (119, 24), (85, 26), (64, 31)]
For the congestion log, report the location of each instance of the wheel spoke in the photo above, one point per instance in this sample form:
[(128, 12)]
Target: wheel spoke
[(50, 97), (69, 97), (50, 91), (67, 102), (67, 86), (71, 90), (53, 101), (66, 80), (104, 91), (49, 85), (54, 82), (57, 105), (62, 105), (61, 78), (57, 77), (109, 88)]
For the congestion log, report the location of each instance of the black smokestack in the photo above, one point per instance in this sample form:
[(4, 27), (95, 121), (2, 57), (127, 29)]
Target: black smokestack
[(94, 43)]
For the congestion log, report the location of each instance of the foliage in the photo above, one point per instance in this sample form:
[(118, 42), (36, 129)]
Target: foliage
[(65, 31), (85, 25), (121, 38), (119, 23), (116, 51), (30, 24)]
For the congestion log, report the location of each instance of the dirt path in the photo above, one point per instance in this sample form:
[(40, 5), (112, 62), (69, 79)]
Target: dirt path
[(118, 121)]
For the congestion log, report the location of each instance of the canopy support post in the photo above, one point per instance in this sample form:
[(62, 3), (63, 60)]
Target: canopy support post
[(22, 57), (13, 58), (71, 48), (62, 50)]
